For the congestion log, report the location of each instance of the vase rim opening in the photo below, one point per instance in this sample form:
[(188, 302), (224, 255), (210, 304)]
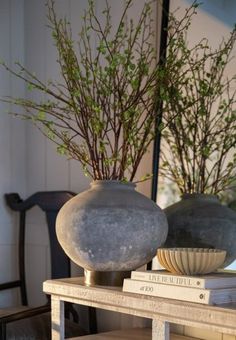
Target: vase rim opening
[(107, 183), (197, 195)]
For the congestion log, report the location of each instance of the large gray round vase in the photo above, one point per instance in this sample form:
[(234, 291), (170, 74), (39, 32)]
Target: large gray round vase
[(201, 221), (111, 228)]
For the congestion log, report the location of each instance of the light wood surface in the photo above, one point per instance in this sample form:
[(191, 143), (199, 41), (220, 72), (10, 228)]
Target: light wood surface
[(130, 334), (221, 318)]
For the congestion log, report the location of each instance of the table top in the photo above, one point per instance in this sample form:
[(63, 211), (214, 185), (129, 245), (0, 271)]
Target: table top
[(130, 334), (221, 318)]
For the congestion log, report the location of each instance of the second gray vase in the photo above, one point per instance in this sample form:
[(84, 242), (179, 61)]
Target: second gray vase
[(201, 221)]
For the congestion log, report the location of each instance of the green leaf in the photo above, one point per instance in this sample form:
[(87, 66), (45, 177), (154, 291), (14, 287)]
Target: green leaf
[(62, 149), (30, 86), (41, 115)]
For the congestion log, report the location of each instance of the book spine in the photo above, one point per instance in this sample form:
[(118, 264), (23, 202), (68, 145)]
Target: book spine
[(167, 291), (168, 279)]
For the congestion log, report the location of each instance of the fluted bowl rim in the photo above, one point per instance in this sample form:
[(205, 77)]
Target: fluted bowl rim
[(191, 261)]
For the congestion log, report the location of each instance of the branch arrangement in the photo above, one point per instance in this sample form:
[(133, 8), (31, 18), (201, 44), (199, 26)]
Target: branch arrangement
[(103, 113), (199, 142)]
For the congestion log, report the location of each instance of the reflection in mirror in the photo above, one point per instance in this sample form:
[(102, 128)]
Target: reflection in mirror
[(214, 21)]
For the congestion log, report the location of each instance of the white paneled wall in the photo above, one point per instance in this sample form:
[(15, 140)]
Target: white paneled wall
[(12, 137)]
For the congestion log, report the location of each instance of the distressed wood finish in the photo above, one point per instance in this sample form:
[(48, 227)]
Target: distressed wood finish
[(160, 330), (220, 318), (58, 324), (130, 334)]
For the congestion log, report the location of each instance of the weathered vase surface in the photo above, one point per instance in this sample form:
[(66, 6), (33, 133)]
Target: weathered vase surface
[(201, 221), (111, 227)]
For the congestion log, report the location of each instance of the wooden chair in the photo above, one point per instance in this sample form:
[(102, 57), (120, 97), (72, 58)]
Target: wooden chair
[(34, 323)]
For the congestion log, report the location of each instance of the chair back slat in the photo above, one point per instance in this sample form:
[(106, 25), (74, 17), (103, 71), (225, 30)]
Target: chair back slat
[(50, 202)]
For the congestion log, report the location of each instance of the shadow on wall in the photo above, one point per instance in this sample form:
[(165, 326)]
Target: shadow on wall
[(223, 10)]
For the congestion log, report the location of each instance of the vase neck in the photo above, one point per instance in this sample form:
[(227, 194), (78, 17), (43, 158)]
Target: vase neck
[(201, 197), (112, 184)]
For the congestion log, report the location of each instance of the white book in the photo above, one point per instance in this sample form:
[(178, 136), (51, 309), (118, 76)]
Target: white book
[(213, 280), (205, 296)]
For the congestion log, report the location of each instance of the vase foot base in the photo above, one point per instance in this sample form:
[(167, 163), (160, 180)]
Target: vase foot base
[(112, 278)]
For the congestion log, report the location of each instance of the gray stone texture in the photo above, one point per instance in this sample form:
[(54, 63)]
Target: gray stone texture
[(111, 227), (201, 221)]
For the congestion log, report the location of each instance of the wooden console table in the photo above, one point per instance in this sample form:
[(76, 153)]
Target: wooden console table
[(162, 311)]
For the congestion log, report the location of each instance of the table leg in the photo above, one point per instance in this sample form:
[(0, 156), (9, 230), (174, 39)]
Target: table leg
[(160, 330), (58, 328)]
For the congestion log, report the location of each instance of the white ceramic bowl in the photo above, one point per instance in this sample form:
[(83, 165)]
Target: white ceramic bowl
[(191, 261)]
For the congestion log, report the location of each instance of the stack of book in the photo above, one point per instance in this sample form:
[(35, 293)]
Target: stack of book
[(216, 288)]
